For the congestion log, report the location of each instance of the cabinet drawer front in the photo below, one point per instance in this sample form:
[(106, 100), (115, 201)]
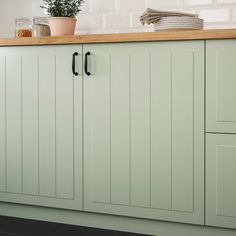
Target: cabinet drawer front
[(220, 180), (221, 86), (144, 130), (40, 123)]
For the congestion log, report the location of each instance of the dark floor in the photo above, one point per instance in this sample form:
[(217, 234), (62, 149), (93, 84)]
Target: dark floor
[(20, 227)]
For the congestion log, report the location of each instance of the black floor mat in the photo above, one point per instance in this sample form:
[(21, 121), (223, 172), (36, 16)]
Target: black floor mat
[(21, 227)]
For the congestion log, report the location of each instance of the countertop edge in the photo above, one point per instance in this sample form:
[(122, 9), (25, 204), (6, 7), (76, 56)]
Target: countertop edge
[(123, 37)]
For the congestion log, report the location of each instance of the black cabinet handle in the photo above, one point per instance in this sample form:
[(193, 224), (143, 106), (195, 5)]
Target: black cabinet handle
[(86, 64), (73, 64)]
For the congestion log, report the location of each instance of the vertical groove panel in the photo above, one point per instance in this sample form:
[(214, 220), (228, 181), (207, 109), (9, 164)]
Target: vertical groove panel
[(101, 130), (171, 125), (110, 116), (2, 123), (47, 126), (120, 135), (13, 126), (78, 134), (30, 124), (183, 131), (140, 129), (22, 170), (130, 121), (38, 171), (64, 127), (161, 130), (55, 124), (150, 125)]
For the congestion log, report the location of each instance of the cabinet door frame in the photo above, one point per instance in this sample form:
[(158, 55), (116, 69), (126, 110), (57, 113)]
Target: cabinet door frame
[(66, 196), (144, 212), (216, 209), (220, 86)]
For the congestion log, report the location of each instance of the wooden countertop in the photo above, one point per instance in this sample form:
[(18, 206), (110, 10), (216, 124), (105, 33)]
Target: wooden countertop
[(124, 37)]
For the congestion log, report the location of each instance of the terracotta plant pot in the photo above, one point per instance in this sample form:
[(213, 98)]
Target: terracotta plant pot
[(62, 26)]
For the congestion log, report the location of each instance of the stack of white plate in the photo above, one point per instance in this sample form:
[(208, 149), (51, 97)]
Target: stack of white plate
[(178, 22)]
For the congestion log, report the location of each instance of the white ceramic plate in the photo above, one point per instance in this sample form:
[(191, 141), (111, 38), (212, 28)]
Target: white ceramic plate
[(173, 22)]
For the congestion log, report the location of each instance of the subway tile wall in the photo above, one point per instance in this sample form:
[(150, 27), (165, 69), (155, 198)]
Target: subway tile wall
[(113, 16)]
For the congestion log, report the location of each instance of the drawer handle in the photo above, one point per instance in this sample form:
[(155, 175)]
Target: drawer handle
[(86, 63), (73, 64)]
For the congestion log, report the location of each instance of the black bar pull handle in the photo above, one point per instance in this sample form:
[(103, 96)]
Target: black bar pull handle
[(73, 64), (86, 64)]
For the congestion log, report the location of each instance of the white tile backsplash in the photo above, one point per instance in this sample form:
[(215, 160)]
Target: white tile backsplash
[(36, 10), (107, 16), (102, 5), (226, 1), (128, 5), (196, 2), (90, 21), (215, 15), (163, 4), (117, 20)]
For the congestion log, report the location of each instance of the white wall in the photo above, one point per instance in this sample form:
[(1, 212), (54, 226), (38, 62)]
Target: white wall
[(105, 16)]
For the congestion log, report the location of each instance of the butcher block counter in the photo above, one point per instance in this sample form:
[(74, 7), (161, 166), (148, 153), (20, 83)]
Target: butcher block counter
[(124, 37)]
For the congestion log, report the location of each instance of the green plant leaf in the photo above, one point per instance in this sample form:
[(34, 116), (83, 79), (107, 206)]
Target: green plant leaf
[(62, 8)]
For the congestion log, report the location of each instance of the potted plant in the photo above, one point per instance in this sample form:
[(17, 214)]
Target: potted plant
[(62, 14)]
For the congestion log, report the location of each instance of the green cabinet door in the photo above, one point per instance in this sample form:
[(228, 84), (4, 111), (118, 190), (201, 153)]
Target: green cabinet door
[(221, 86), (144, 130), (40, 127), (220, 180)]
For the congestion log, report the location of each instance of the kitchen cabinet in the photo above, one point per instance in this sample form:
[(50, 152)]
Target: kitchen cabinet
[(221, 84), (112, 135), (220, 180), (41, 127), (144, 130), (221, 146)]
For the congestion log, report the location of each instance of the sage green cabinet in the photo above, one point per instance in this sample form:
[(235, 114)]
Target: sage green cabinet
[(221, 148), (40, 127), (220, 180), (221, 86), (144, 130)]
